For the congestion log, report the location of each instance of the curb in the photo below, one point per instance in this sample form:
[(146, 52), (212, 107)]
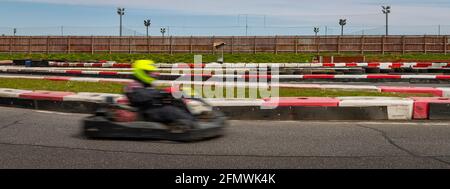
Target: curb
[(290, 108)]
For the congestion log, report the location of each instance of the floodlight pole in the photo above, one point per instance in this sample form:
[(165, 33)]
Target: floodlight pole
[(147, 24), (386, 11), (163, 30), (120, 12)]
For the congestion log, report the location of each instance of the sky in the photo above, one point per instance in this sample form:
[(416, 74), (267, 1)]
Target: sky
[(223, 17)]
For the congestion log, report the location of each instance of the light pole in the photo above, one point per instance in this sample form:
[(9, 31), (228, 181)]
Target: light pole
[(163, 30), (147, 24), (316, 30), (342, 22), (246, 22), (386, 11), (120, 12)]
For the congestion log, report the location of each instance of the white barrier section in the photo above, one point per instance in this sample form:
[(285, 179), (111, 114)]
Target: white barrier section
[(350, 76), (397, 108), (445, 91), (438, 65), (234, 102), (12, 93), (91, 97)]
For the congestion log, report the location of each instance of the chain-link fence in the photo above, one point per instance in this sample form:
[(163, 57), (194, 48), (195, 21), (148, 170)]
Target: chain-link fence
[(239, 30)]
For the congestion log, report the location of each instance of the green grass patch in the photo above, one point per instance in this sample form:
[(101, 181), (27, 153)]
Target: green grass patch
[(72, 86), (76, 86), (293, 92), (231, 58), (165, 58)]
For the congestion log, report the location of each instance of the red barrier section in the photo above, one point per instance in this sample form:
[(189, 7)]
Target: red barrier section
[(121, 65), (351, 64), (97, 65), (422, 65), (375, 76), (373, 65), (442, 76), (425, 90), (79, 65), (318, 76), (421, 105), (73, 71), (123, 100), (107, 73), (196, 65), (396, 65), (299, 101), (45, 95), (57, 78), (328, 65)]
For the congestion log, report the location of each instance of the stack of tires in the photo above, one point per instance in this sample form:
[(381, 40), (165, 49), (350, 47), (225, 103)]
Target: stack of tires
[(31, 63)]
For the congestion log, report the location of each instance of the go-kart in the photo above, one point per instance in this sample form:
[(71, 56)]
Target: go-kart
[(114, 120)]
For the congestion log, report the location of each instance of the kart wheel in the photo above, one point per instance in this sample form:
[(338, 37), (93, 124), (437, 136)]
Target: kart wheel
[(180, 126)]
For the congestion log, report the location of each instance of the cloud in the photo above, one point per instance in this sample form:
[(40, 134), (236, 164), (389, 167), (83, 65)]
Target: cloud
[(360, 12)]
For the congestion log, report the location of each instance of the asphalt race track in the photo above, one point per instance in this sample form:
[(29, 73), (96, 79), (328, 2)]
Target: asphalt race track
[(37, 139)]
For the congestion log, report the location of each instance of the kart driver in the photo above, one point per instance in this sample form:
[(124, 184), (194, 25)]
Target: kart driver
[(144, 96)]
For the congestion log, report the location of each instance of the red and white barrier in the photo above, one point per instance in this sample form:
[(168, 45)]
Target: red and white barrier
[(438, 92), (98, 65), (397, 108), (381, 65), (12, 93)]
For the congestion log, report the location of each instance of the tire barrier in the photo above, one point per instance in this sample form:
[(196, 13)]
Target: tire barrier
[(439, 111), (438, 92), (431, 108)]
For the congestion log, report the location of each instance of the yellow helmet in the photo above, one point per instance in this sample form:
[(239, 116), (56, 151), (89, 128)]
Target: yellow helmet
[(142, 70)]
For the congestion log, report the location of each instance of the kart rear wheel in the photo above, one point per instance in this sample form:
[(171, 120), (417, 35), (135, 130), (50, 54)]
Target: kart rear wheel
[(180, 126)]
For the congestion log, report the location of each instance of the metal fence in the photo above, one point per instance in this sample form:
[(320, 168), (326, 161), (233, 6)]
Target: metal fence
[(234, 44), (225, 30)]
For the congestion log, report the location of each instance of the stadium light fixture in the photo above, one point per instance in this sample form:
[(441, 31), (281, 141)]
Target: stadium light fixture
[(316, 30), (342, 22)]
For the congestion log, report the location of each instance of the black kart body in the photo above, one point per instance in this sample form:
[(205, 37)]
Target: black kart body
[(113, 120)]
